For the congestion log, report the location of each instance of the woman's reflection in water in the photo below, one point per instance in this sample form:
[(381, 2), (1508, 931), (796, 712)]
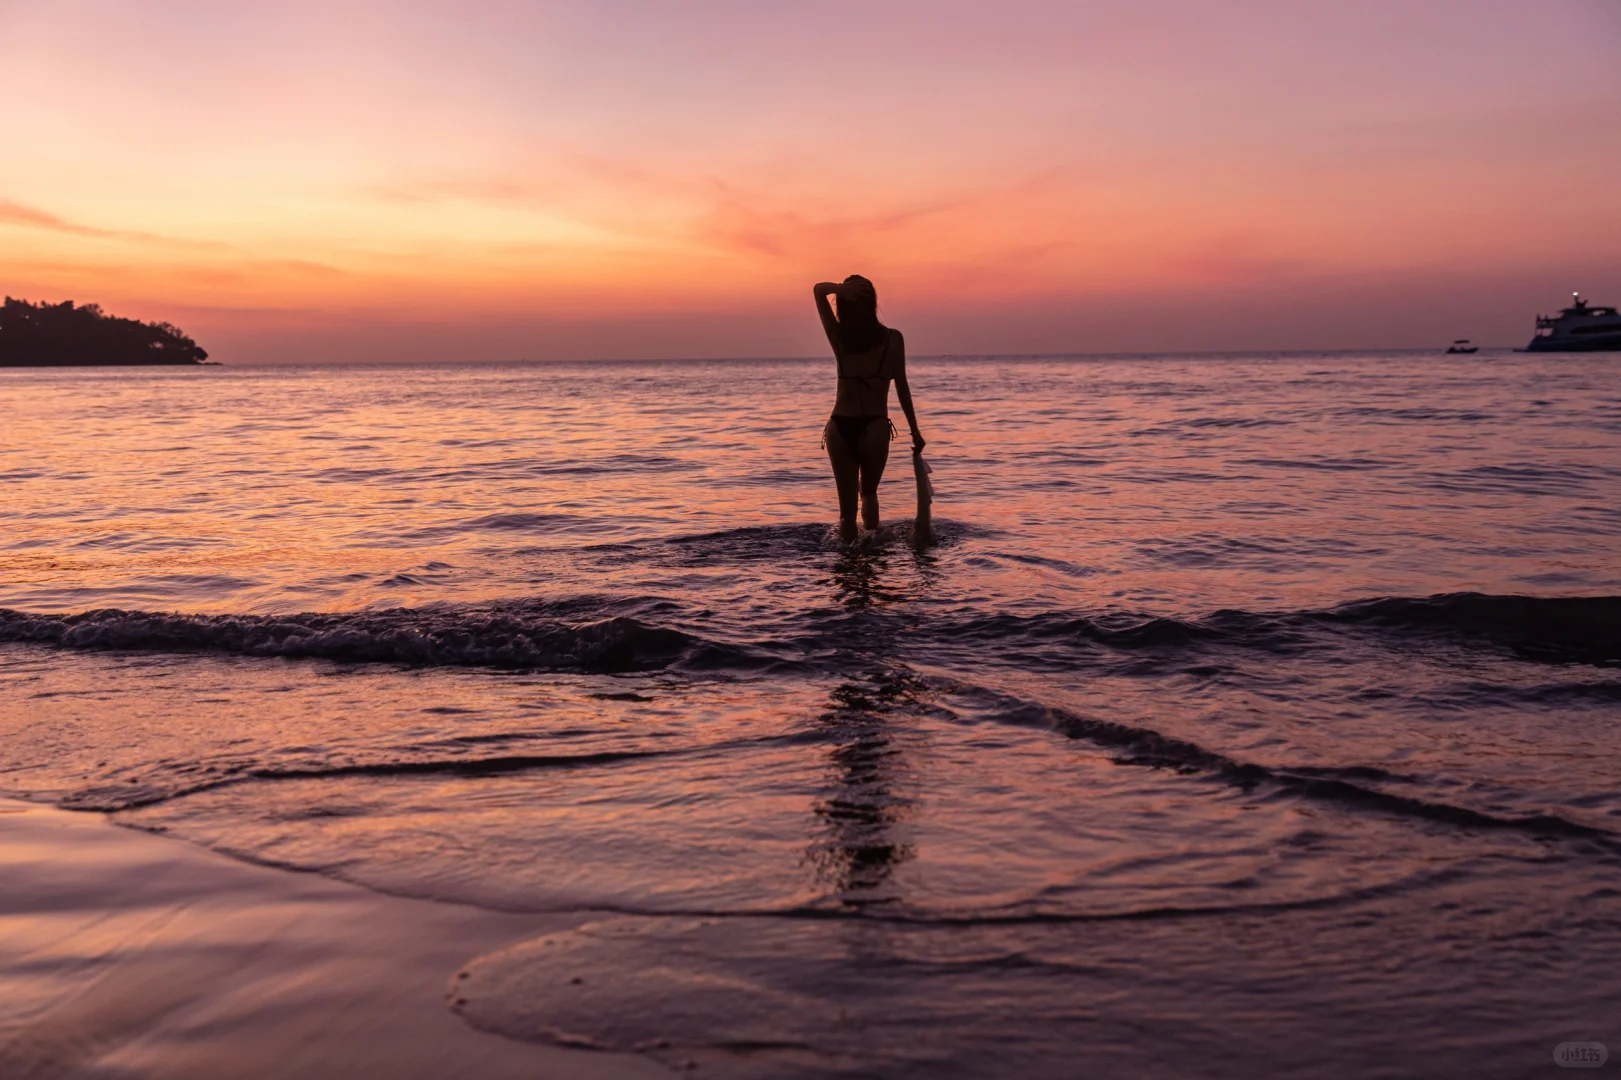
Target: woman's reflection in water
[(861, 814)]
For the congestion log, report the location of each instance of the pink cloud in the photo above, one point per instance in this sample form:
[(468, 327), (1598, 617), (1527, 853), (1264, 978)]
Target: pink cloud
[(16, 214)]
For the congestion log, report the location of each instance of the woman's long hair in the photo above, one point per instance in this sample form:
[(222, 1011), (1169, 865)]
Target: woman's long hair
[(859, 328)]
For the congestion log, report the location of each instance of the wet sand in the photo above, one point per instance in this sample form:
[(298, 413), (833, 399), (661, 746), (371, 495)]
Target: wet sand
[(124, 954)]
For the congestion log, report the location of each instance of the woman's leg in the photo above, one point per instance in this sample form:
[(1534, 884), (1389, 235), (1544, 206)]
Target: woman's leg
[(846, 475), (874, 455)]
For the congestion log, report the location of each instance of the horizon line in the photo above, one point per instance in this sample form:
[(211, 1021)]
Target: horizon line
[(1109, 355)]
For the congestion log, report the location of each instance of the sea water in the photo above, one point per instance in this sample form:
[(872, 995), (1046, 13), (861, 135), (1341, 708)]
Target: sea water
[(1253, 713)]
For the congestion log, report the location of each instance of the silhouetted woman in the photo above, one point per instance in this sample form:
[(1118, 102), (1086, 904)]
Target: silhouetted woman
[(869, 356)]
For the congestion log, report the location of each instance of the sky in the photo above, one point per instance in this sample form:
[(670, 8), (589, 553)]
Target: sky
[(344, 181)]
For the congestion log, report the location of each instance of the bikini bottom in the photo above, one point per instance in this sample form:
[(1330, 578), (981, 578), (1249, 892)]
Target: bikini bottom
[(851, 428)]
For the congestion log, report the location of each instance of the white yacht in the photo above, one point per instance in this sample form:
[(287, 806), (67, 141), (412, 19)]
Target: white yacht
[(1581, 327)]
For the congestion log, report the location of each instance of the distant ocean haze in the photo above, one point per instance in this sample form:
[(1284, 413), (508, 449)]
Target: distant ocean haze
[(1271, 649)]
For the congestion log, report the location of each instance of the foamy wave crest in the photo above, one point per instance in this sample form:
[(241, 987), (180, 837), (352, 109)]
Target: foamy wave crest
[(512, 636)]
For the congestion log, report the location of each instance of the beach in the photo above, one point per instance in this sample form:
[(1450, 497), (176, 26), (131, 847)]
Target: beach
[(127, 954)]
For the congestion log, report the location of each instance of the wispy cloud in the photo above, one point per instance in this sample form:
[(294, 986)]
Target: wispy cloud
[(12, 213), (745, 223), (31, 217)]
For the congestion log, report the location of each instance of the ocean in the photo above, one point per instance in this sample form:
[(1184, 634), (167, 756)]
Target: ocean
[(1255, 714)]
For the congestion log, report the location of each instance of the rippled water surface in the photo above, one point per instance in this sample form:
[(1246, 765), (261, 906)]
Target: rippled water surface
[(1254, 713)]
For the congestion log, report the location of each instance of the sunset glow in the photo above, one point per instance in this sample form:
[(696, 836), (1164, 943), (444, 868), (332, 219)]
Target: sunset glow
[(500, 180)]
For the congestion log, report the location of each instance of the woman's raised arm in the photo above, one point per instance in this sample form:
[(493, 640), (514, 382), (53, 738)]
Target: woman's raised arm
[(823, 290)]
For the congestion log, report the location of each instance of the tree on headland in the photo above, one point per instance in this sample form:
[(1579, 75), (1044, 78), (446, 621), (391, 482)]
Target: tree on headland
[(65, 335)]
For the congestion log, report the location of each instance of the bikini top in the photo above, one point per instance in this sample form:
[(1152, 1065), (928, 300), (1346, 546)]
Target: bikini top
[(882, 360)]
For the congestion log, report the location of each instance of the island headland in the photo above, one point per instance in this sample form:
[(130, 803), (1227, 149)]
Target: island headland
[(62, 335)]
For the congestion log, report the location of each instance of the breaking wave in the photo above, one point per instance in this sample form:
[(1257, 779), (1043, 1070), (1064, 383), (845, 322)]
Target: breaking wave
[(592, 634), (507, 636)]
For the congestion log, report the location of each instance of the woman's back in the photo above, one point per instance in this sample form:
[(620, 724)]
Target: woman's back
[(864, 379)]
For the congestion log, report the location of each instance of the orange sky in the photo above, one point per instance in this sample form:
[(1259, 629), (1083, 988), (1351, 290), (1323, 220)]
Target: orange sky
[(343, 181)]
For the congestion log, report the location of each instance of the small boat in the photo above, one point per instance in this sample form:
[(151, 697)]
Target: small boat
[(1582, 327), (1462, 346)]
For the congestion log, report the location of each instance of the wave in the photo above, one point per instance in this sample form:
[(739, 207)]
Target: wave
[(1548, 629), (514, 636), (180, 780), (1579, 629), (133, 796), (607, 635), (1345, 785)]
